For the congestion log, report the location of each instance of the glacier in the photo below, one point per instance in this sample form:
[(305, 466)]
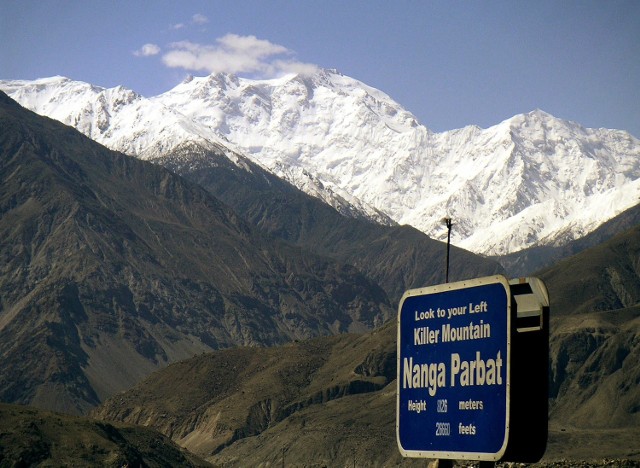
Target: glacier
[(530, 180)]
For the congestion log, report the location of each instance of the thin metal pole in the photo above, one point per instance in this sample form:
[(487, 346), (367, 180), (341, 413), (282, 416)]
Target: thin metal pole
[(449, 224)]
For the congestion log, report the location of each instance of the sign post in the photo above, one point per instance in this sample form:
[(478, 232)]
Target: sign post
[(473, 370), (454, 347)]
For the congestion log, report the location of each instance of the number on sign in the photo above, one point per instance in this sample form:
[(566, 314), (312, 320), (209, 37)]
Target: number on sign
[(443, 429), (442, 406)]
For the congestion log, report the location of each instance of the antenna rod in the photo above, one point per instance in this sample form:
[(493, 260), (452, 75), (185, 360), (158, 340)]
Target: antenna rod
[(448, 222)]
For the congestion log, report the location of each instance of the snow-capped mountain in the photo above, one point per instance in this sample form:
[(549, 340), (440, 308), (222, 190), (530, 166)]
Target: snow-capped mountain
[(532, 179), (125, 121), (117, 117)]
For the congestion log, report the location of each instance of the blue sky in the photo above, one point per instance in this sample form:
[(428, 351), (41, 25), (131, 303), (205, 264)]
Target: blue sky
[(451, 63)]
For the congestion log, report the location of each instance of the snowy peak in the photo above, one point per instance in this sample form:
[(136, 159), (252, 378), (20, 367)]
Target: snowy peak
[(147, 128), (88, 108), (531, 179), (281, 103), (57, 97), (536, 179), (314, 121), (560, 181), (289, 123), (558, 151), (118, 118)]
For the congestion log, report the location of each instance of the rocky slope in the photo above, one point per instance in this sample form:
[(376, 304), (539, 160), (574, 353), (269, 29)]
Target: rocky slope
[(396, 257), (604, 277), (332, 400), (228, 398), (32, 437), (112, 268)]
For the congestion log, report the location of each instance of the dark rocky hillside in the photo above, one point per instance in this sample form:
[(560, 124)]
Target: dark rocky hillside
[(396, 257), (117, 274), (32, 437), (112, 268), (303, 393), (332, 400), (604, 277), (595, 377), (595, 341)]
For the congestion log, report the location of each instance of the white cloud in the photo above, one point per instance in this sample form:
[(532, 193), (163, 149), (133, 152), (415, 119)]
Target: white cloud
[(199, 19), (234, 54), (147, 50), (251, 45), (284, 66)]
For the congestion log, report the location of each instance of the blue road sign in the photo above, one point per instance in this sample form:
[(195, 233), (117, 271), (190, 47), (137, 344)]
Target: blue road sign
[(453, 370)]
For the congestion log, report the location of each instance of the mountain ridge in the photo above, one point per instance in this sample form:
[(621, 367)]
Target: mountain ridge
[(32, 437), (530, 180), (362, 142)]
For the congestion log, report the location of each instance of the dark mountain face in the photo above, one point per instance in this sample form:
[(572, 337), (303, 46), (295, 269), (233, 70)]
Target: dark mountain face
[(112, 267), (396, 257), (595, 377), (332, 400), (228, 399), (32, 437), (595, 341), (604, 277)]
